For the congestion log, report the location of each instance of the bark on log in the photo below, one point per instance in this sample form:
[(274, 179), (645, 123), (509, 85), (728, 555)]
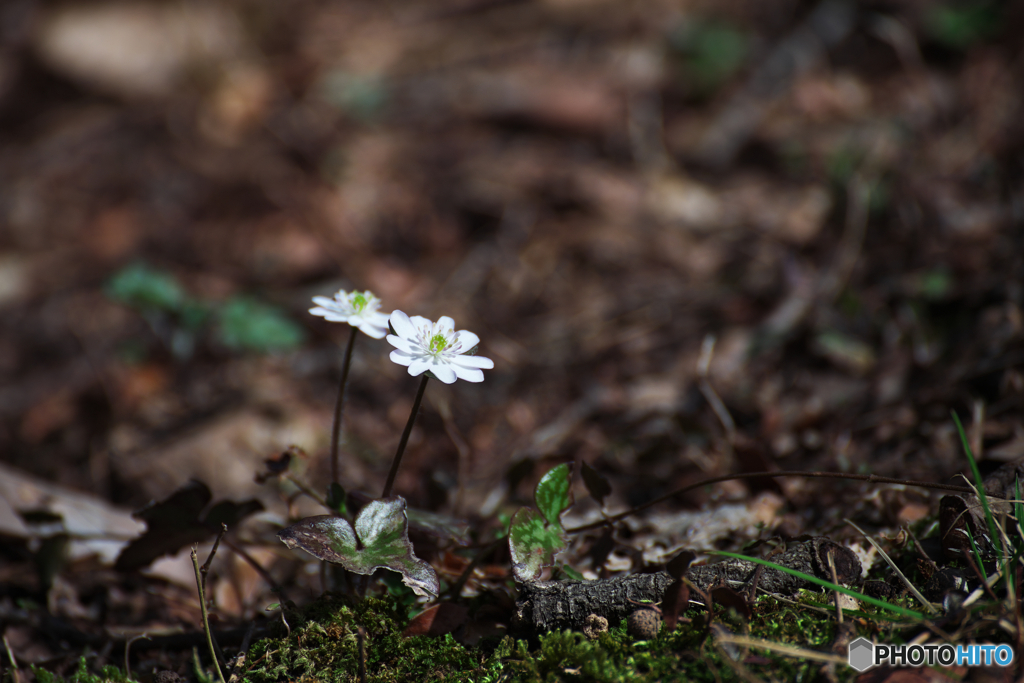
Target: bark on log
[(549, 605)]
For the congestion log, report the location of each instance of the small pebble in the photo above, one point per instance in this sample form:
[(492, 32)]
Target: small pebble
[(594, 626), (643, 624)]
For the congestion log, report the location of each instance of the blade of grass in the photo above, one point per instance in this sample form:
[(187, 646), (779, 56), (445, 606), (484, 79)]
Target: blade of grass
[(979, 568), (906, 582), (826, 584), (781, 648), (1002, 553), (990, 519), (827, 609)]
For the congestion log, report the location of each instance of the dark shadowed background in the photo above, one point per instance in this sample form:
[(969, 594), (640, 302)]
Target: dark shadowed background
[(831, 193)]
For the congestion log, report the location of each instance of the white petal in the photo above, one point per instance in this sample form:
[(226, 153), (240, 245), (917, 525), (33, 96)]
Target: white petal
[(411, 348), (418, 367), (467, 339), (468, 374), (445, 373), (372, 330), (334, 317), (380, 319), (422, 325), (445, 325), (403, 325), (473, 362), (401, 358), (324, 301)]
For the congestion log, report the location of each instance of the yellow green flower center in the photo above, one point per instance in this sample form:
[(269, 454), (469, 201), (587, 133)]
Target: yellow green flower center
[(358, 302), (438, 343)]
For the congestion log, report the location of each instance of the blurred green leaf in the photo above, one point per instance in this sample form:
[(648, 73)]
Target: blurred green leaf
[(712, 52), (194, 314), (146, 289), (361, 97), (935, 284), (961, 25), (845, 351), (571, 573), (249, 325)]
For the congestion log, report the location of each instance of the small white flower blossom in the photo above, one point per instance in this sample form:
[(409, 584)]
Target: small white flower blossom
[(423, 345), (358, 309)]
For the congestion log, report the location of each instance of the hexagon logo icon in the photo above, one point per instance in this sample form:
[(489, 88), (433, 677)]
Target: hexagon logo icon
[(861, 654)]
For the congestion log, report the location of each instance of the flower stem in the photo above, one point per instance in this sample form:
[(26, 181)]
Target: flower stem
[(339, 406), (405, 438)]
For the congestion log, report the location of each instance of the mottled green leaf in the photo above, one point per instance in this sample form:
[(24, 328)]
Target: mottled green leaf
[(533, 543), (554, 493), (380, 540)]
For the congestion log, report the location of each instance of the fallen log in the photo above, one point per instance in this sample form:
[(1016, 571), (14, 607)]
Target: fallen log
[(545, 606)]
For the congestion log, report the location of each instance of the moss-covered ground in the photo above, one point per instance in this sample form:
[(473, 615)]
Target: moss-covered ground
[(322, 645), (320, 642)]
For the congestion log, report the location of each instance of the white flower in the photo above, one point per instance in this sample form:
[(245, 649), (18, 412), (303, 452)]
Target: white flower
[(423, 345), (358, 309)]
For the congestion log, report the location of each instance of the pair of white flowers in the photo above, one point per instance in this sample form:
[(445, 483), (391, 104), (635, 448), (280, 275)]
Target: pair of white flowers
[(420, 344)]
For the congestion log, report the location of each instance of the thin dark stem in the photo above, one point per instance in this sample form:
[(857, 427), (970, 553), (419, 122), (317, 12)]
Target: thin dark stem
[(206, 617), (405, 438), (455, 590), (127, 653), (339, 405), (264, 574), (243, 652), (205, 569), (756, 475)]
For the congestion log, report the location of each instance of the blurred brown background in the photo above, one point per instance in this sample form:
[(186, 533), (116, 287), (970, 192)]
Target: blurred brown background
[(834, 190)]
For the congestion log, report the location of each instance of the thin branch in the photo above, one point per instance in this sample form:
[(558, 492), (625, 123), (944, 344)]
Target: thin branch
[(264, 574), (304, 489), (455, 590), (127, 652), (213, 551), (233, 677), (707, 348), (872, 478), (206, 617)]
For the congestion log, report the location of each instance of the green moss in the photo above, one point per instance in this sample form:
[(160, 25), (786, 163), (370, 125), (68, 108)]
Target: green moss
[(793, 624), (323, 646), (108, 674)]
